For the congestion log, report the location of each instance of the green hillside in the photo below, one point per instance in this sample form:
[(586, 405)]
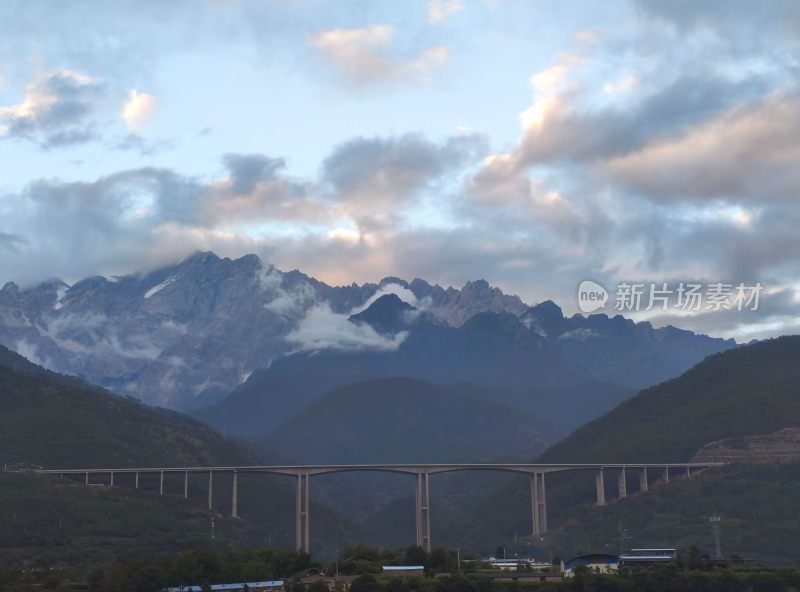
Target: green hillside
[(59, 422), (405, 420), (745, 391), (757, 506)]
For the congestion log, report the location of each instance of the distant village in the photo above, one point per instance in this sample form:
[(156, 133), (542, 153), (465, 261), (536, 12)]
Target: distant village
[(521, 571)]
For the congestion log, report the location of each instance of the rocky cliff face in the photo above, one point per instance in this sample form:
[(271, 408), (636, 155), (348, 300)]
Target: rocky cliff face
[(184, 335), (781, 446)]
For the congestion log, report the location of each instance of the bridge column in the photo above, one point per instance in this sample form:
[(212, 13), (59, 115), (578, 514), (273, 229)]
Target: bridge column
[(621, 483), (186, 485), (666, 474), (301, 525), (298, 514), (600, 485), (417, 512), (643, 486), (307, 515), (538, 503), (87, 477), (234, 495), (136, 484), (210, 490), (111, 481), (423, 511), (688, 471)]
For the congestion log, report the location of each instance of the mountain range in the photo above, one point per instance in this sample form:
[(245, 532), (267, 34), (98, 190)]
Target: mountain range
[(563, 371), (187, 334), (740, 393)]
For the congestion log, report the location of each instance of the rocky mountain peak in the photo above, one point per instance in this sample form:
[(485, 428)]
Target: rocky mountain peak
[(388, 314)]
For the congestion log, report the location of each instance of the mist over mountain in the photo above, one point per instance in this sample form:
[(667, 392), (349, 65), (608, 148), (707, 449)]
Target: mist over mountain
[(187, 334), (564, 371)]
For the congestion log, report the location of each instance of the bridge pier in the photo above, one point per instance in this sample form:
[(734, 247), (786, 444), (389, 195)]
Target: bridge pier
[(136, 481), (234, 495), (423, 511), (87, 477), (186, 485), (666, 474), (302, 525), (111, 480), (210, 489), (621, 483), (161, 486), (688, 471), (538, 503), (600, 485), (643, 485)]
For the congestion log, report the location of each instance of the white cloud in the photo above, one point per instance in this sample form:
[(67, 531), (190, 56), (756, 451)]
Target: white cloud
[(138, 110), (362, 55), (401, 292), (440, 10), (285, 302), (322, 328)]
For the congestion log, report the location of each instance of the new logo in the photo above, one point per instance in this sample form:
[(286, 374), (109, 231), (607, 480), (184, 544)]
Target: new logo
[(591, 296)]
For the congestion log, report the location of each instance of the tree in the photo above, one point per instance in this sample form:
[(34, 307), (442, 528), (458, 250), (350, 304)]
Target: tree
[(365, 583)]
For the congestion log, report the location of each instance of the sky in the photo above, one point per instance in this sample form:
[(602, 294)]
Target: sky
[(532, 144)]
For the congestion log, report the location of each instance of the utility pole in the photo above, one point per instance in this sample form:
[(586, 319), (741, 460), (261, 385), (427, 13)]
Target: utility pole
[(622, 537), (715, 521)]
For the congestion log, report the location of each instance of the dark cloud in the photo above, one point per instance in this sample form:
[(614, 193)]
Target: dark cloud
[(397, 165), (55, 111), (568, 133), (247, 170), (376, 177), (748, 153), (729, 18)]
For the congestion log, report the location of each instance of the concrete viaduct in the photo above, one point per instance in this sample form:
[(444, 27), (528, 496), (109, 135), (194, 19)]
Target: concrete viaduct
[(302, 475)]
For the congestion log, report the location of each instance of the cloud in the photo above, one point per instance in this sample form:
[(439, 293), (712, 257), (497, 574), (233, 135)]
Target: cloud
[(285, 300), (749, 152), (557, 129), (322, 328), (11, 242), (363, 58), (401, 292), (441, 10), (776, 314), (374, 178), (135, 142), (55, 110), (247, 170), (138, 110), (733, 21)]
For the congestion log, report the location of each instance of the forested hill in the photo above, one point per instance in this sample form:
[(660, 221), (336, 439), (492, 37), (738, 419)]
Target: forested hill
[(749, 390), (403, 420), (56, 421)]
